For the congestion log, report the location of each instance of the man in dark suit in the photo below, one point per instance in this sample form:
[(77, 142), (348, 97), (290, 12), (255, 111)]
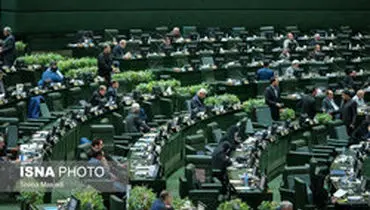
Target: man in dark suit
[(348, 81), (328, 104), (98, 98), (105, 63), (307, 103), (348, 111), (8, 49), (272, 98), (197, 104), (134, 123), (113, 91)]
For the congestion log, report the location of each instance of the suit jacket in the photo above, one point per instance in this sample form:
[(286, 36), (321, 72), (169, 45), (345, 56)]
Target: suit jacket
[(112, 94), (8, 50), (348, 82), (135, 124), (118, 51), (271, 98), (105, 63), (97, 99), (349, 112), (327, 106), (196, 105), (308, 105)]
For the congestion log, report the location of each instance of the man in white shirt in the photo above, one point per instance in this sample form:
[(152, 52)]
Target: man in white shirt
[(290, 43), (359, 98)]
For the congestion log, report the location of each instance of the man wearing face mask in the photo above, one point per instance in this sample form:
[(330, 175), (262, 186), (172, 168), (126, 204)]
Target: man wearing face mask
[(51, 75)]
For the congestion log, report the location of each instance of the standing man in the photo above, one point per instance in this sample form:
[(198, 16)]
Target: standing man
[(265, 73), (272, 98), (307, 104), (8, 50), (105, 62), (348, 111)]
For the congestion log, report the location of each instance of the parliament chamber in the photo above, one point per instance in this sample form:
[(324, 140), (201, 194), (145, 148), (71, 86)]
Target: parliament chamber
[(190, 105)]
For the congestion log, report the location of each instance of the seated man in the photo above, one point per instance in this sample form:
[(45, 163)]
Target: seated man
[(291, 70), (197, 103), (98, 160), (220, 161), (51, 75), (317, 54), (34, 107), (119, 51), (265, 73), (359, 98), (3, 152), (163, 202), (133, 121), (96, 146), (98, 98), (113, 91), (290, 43), (328, 104)]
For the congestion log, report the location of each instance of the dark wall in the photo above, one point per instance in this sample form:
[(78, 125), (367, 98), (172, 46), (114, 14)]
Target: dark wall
[(45, 16)]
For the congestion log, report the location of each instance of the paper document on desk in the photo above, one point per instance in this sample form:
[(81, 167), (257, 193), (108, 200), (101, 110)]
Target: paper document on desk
[(242, 188), (340, 193)]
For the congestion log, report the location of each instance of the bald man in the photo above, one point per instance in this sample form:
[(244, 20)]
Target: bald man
[(119, 50), (290, 43), (359, 98)]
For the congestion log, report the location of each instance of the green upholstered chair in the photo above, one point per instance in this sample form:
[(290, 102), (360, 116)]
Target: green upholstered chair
[(105, 132), (291, 172), (74, 96), (190, 182), (117, 121), (197, 141), (210, 198), (55, 101), (115, 203), (201, 162), (208, 131), (301, 193), (263, 116), (261, 86), (22, 110), (287, 194), (319, 134), (166, 107)]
